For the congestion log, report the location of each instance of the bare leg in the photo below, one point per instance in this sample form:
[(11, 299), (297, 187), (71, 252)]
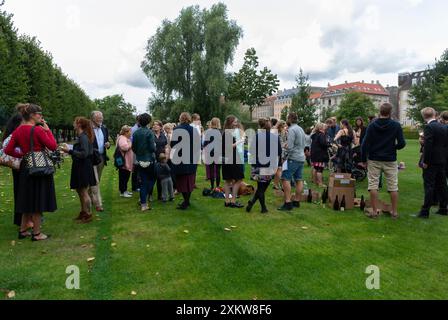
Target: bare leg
[(287, 190), (394, 200), (319, 179), (374, 200), (86, 202), (277, 177), (25, 225), (299, 190), (227, 189), (236, 188)]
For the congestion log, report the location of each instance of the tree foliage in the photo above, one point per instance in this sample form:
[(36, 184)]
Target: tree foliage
[(186, 61), (430, 92), (250, 85), (28, 74), (117, 112), (301, 103), (354, 105)]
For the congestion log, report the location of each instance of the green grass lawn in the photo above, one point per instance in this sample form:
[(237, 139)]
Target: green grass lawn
[(266, 257)]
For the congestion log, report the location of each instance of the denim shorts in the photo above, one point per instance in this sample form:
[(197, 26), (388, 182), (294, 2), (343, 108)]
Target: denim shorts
[(294, 172)]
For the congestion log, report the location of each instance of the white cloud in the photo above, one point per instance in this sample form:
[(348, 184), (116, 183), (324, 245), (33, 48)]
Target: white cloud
[(101, 43)]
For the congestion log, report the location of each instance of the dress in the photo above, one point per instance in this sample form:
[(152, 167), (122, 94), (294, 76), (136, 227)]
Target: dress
[(35, 194), (344, 155), (232, 169), (83, 175)]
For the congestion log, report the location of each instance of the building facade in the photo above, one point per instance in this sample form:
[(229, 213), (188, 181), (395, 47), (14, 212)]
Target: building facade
[(284, 99), (266, 110), (405, 82), (333, 95)]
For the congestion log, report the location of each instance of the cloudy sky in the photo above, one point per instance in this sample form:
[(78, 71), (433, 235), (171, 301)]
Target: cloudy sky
[(100, 43)]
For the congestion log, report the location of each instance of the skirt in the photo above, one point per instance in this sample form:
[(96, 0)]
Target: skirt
[(83, 175), (185, 183), (36, 194), (233, 171), (16, 182)]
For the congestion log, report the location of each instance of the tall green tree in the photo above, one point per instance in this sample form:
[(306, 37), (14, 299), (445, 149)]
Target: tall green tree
[(354, 105), (28, 74), (186, 60), (250, 85), (13, 77), (427, 93), (305, 109)]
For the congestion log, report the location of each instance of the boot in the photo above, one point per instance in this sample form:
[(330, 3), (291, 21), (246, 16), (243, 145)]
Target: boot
[(86, 218), (79, 217)]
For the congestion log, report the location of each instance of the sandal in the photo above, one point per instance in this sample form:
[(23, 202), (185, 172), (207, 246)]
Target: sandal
[(24, 234), (35, 238)]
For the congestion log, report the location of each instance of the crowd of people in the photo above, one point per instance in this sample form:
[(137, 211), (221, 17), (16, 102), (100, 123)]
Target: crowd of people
[(165, 156)]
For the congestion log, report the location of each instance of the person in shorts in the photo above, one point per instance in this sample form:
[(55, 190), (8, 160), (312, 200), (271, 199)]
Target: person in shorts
[(384, 137), (293, 169)]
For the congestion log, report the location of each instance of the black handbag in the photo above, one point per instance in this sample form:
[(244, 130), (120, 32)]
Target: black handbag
[(96, 157), (38, 163), (119, 160)]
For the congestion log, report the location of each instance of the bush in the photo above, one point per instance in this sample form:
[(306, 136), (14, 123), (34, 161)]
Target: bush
[(410, 133)]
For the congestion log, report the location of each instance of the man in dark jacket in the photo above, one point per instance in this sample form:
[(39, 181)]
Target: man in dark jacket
[(434, 163), (383, 138), (101, 145)]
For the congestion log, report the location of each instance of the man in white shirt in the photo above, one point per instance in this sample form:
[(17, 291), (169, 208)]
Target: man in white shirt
[(101, 144)]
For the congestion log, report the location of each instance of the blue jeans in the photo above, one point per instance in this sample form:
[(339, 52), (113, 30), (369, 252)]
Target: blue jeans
[(294, 172), (147, 177)]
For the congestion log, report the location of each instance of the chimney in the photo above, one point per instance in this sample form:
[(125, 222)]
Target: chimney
[(346, 82), (373, 82), (329, 85), (377, 81), (362, 81)]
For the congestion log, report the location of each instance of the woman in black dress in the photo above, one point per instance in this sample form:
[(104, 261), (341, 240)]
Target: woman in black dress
[(345, 138), (83, 175), (13, 123), (233, 167), (264, 171), (319, 153)]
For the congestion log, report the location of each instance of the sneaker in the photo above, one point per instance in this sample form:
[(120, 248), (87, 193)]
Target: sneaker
[(236, 205), (264, 211), (296, 204), (126, 195), (183, 206), (145, 208), (286, 207), (442, 212)]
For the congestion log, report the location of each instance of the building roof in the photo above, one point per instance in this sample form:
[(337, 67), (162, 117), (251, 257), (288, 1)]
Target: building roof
[(316, 95), (289, 93), (367, 88)]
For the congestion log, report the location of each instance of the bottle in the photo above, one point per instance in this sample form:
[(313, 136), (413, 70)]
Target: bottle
[(363, 204), (325, 196), (305, 188), (343, 204), (336, 204), (310, 196)]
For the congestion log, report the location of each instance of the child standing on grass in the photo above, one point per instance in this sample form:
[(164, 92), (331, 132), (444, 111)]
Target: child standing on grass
[(164, 174)]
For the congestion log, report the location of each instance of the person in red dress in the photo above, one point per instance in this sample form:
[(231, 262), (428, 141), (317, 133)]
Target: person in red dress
[(36, 194)]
